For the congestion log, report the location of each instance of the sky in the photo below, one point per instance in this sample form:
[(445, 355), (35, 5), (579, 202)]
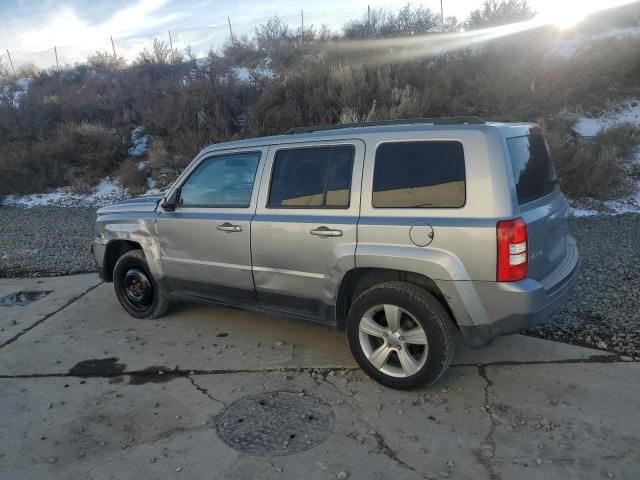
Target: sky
[(31, 28)]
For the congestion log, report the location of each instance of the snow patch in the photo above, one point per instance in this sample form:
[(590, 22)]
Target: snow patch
[(567, 46), (107, 191), (140, 142), (249, 74), (628, 111), (14, 93)]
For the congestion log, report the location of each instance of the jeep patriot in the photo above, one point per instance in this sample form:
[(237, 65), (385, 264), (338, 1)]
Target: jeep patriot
[(399, 233)]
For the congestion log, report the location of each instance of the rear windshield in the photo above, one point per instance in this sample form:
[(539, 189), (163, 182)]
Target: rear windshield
[(533, 169)]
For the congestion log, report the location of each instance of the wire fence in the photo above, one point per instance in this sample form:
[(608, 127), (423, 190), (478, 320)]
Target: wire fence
[(200, 40)]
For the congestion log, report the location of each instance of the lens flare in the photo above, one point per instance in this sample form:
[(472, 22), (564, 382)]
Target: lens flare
[(399, 49)]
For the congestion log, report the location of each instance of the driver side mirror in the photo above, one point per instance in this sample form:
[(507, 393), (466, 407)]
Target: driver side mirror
[(170, 202)]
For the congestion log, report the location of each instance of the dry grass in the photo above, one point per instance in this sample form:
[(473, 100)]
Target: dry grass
[(131, 177)]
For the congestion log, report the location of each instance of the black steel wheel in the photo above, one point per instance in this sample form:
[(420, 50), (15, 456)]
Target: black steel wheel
[(136, 288)]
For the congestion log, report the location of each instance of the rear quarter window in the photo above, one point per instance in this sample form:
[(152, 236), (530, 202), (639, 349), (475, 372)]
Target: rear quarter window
[(533, 170), (428, 174)]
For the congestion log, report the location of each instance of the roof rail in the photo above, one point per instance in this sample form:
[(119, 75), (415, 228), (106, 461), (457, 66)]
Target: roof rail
[(409, 121)]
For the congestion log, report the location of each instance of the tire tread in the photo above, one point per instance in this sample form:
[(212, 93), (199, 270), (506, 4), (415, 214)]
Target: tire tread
[(162, 302), (444, 322)]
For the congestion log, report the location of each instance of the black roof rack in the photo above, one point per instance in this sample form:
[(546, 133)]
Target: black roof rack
[(430, 121)]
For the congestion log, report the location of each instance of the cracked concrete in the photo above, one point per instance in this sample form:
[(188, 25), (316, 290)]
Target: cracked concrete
[(87, 392)]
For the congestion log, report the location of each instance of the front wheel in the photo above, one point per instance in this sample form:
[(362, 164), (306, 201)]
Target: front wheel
[(401, 335), (135, 287)]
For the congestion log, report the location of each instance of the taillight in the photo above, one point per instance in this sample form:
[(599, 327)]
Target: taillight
[(512, 250)]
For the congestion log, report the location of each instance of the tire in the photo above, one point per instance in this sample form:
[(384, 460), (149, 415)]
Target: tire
[(419, 317), (135, 287)]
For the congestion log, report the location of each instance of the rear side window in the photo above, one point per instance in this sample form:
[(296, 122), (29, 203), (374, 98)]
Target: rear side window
[(316, 177), (532, 167), (419, 175)]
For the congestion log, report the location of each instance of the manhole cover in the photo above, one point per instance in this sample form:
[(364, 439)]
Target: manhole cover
[(276, 423), (22, 298)]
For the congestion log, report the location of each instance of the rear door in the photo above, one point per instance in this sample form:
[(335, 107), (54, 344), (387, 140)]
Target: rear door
[(303, 236), (542, 204)]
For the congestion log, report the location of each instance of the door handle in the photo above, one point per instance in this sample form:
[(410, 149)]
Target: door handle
[(325, 232), (227, 227)]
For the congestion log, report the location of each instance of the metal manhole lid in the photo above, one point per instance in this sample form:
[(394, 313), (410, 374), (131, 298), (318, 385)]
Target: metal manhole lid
[(275, 423)]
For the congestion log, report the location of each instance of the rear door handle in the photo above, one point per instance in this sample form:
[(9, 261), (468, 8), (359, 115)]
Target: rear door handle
[(228, 227), (325, 232)]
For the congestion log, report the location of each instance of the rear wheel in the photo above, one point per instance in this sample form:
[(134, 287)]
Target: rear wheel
[(135, 287), (401, 335)]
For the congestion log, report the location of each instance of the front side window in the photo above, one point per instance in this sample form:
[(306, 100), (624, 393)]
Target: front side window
[(315, 177), (221, 181), (419, 175)]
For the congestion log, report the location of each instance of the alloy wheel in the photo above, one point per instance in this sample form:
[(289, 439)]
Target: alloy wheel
[(393, 341)]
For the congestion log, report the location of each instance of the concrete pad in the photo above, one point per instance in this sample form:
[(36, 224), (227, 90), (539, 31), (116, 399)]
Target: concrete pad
[(565, 421), (14, 320), (562, 420), (538, 421), (191, 337), (101, 429), (73, 428), (209, 338)]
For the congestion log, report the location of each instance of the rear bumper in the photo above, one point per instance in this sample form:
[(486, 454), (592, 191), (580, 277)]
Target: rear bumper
[(494, 309)]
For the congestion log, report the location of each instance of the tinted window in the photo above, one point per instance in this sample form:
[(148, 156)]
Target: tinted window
[(419, 175), (532, 167), (314, 177), (223, 181)]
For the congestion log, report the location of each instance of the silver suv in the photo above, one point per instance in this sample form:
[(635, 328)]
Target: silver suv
[(400, 233)]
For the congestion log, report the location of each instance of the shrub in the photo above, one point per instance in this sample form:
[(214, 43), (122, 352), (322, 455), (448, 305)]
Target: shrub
[(132, 177), (494, 13), (103, 61), (407, 21), (158, 156), (77, 154), (598, 168), (160, 54)]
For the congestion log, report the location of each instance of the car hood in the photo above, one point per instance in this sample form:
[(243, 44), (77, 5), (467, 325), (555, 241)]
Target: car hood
[(146, 203)]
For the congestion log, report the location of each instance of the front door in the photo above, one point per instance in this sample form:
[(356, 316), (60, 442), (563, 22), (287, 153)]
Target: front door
[(205, 242), (303, 236)]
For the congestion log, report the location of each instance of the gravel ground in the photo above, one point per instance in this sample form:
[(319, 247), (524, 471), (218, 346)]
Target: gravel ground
[(46, 241), (604, 312)]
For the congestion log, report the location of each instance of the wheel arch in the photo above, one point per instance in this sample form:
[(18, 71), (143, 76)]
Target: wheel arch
[(360, 279), (115, 249)]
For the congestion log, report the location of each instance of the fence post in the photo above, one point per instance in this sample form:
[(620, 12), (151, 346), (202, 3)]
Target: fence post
[(11, 63), (171, 45), (230, 31)]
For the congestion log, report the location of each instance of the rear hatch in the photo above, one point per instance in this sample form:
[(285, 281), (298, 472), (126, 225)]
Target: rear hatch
[(542, 206)]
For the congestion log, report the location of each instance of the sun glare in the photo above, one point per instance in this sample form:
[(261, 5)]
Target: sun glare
[(567, 14)]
